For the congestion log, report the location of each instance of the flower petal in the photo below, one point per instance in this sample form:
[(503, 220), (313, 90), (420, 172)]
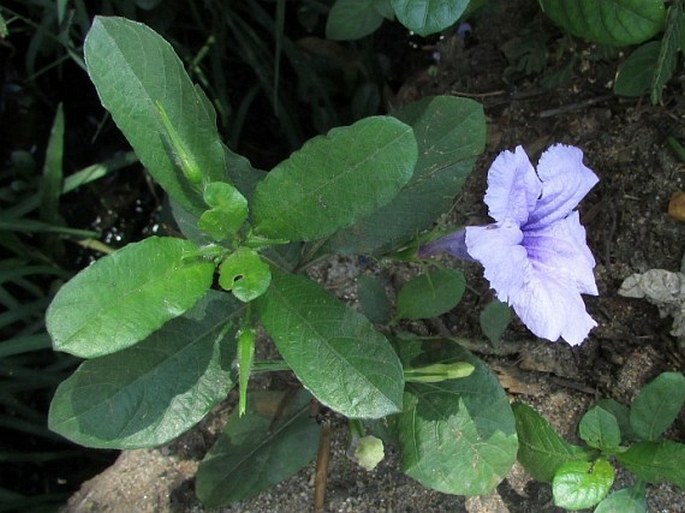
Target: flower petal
[(565, 181), (561, 249), (498, 248), (454, 244), (550, 308), (513, 187)]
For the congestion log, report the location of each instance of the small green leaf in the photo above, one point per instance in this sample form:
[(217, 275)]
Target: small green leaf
[(456, 436), (599, 429), (334, 351), (246, 347), (125, 296), (274, 440), (53, 173), (634, 77), (352, 19), (334, 180), (245, 274), (628, 500), (431, 294), (149, 394), (427, 17), (3, 27), (374, 299), (582, 484), (657, 405), (228, 211), (622, 415), (494, 320), (610, 22), (542, 451), (655, 462)]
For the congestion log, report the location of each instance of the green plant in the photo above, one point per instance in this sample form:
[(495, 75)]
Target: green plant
[(141, 314), (582, 477), (625, 23)]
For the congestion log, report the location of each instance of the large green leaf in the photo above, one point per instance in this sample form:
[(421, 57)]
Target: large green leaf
[(352, 19), (137, 73), (542, 451), (657, 405), (276, 438), (334, 180), (610, 22), (427, 17), (150, 393), (333, 350), (655, 462), (450, 132), (125, 296), (457, 436)]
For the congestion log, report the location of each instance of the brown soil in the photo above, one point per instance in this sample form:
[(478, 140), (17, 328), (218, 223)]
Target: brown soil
[(629, 231)]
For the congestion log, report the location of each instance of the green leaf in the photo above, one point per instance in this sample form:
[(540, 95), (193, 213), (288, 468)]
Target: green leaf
[(125, 296), (628, 500), (352, 19), (622, 415), (599, 428), (134, 71), (53, 174), (610, 22), (245, 274), (228, 211), (635, 75), (274, 440), (657, 405), (457, 436), (668, 54), (582, 484), (148, 394), (333, 350), (3, 27), (494, 320), (431, 294), (246, 347), (334, 180), (655, 462), (374, 299), (541, 450), (451, 134), (427, 17)]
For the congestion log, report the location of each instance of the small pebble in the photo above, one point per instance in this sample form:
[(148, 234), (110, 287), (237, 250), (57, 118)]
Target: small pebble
[(676, 206)]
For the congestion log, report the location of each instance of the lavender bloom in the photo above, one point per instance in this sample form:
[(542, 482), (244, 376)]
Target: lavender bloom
[(535, 255)]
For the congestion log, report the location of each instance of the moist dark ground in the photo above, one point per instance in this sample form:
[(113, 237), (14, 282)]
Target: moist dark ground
[(629, 230)]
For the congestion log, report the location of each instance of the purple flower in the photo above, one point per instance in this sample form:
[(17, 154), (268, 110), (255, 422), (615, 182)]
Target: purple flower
[(535, 255)]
